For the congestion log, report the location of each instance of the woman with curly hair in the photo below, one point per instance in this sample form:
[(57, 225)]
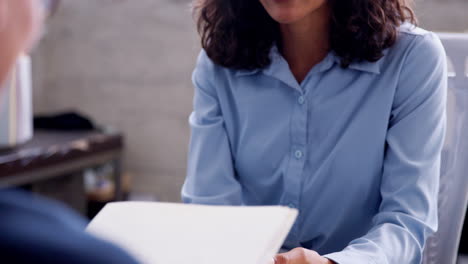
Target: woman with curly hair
[(333, 107)]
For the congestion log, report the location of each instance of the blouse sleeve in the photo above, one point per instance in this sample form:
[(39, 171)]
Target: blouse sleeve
[(410, 180), (210, 173)]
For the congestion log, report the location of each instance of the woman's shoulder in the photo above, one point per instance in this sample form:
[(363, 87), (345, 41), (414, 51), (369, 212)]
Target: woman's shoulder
[(203, 60), (210, 76), (416, 41), (205, 65), (408, 29), (418, 61)]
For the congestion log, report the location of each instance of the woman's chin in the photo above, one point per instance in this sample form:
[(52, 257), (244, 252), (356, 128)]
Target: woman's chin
[(286, 18)]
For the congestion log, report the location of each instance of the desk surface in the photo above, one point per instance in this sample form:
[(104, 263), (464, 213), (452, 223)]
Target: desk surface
[(51, 148)]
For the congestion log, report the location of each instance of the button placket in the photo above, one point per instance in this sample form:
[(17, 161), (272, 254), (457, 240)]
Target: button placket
[(298, 152)]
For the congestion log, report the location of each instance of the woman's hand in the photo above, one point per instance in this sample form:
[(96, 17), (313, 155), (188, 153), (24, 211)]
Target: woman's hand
[(301, 256)]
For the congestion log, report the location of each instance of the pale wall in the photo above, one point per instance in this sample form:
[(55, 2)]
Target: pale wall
[(443, 15), (126, 63)]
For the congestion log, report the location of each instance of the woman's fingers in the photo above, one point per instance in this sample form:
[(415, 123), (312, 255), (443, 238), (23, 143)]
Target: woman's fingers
[(299, 256), (272, 261), (282, 259)]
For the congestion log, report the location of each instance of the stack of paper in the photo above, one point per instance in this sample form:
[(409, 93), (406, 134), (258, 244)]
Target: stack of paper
[(162, 233)]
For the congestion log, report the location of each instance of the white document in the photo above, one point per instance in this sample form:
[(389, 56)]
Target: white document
[(163, 233)]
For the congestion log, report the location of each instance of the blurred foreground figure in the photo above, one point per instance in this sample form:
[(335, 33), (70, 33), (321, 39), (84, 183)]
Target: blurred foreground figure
[(34, 230)]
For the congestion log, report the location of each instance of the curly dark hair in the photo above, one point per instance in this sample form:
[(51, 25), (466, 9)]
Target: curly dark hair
[(239, 34)]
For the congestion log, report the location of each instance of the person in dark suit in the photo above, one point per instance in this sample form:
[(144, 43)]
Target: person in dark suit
[(32, 229), (36, 230)]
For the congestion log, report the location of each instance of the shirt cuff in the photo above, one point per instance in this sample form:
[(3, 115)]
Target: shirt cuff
[(349, 257)]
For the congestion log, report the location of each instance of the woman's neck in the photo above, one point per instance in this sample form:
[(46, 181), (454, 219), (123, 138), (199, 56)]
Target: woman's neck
[(305, 43)]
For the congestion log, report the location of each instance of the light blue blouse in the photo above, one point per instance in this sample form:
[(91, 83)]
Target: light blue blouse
[(356, 150)]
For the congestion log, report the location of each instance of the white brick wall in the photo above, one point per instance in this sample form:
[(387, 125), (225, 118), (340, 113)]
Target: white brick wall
[(128, 63), (443, 15)]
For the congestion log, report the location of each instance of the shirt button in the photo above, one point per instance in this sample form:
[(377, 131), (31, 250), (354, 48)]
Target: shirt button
[(291, 205), (298, 154), (301, 100)]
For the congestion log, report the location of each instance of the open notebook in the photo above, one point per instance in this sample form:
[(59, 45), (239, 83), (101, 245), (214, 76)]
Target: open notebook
[(163, 233)]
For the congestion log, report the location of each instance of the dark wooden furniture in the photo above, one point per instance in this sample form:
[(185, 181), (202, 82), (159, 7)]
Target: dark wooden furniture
[(55, 154)]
